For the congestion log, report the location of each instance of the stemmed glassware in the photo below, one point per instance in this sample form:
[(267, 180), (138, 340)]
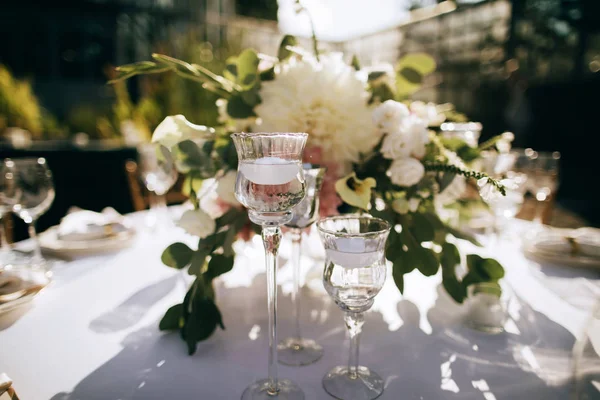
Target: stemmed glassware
[(355, 270), (270, 182), (9, 195), (36, 194), (159, 175), (297, 350)]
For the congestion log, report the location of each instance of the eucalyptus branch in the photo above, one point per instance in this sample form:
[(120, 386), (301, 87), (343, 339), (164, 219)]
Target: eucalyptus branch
[(437, 167), (300, 8)]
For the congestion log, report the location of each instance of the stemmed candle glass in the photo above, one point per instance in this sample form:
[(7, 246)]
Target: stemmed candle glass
[(297, 350), (355, 270), (9, 195), (34, 181), (270, 182)]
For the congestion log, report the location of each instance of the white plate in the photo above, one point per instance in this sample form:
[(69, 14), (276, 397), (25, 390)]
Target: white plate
[(29, 278), (553, 247), (51, 243)]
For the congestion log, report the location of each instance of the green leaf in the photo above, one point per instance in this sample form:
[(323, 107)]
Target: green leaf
[(410, 71), (398, 276), (267, 74), (142, 67), (283, 53), (493, 269), (428, 262), (218, 265), (462, 235), (450, 257), (198, 260), (422, 228), (445, 180), (453, 287), (201, 322), (238, 108), (190, 156), (355, 63), (381, 93), (173, 319), (251, 96), (177, 255), (247, 68)]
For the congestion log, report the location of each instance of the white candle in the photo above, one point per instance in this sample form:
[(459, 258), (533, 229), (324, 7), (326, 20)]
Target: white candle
[(351, 253), (270, 171)]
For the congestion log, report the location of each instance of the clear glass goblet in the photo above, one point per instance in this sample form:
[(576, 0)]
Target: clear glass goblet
[(355, 270), (9, 196), (270, 182), (159, 174), (297, 350), (34, 182)]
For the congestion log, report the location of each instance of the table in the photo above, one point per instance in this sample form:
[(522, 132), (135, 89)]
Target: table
[(93, 333)]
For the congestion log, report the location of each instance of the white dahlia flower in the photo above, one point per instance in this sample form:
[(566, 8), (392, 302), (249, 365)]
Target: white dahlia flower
[(325, 99)]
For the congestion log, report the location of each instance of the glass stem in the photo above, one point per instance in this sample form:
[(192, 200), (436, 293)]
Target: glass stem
[(539, 213), (3, 239), (271, 236), (296, 234), (354, 322), (37, 250)]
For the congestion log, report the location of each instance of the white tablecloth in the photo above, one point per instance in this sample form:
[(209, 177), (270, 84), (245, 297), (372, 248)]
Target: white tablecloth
[(93, 333)]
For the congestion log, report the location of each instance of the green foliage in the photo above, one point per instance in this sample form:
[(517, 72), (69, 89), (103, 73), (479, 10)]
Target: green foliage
[(19, 107), (177, 255), (410, 72)]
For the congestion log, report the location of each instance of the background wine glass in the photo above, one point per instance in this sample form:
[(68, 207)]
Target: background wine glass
[(297, 350), (270, 182), (34, 182), (9, 195), (159, 175), (355, 269)]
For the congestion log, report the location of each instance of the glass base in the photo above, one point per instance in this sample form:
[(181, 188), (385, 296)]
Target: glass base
[(259, 390), (297, 352), (366, 385)]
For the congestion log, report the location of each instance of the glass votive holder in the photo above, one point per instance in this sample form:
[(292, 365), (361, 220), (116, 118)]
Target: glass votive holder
[(487, 307)]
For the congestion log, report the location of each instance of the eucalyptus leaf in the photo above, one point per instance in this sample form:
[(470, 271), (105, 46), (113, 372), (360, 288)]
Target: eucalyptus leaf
[(247, 68), (381, 92), (284, 53), (177, 255), (267, 74), (422, 228), (201, 322), (173, 319), (238, 108), (355, 63), (218, 265), (398, 276), (198, 260), (450, 257), (428, 263), (410, 71), (453, 287)]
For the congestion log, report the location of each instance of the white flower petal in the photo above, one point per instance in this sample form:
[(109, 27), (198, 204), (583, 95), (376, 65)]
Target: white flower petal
[(175, 128), (406, 171), (197, 223), (226, 188)]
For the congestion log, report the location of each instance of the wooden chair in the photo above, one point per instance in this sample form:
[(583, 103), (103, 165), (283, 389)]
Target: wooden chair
[(140, 197)]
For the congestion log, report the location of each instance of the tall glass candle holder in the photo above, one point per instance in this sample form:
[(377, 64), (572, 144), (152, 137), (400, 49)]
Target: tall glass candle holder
[(270, 182), (296, 350)]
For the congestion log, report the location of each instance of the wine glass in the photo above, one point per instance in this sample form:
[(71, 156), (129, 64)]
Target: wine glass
[(34, 182), (159, 175), (355, 270), (9, 195), (270, 182), (541, 169), (586, 360), (297, 350)]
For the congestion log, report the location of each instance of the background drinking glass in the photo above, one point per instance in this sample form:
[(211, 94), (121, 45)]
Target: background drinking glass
[(586, 360), (34, 182), (270, 182), (297, 350), (542, 170), (9, 195), (159, 175), (355, 270)]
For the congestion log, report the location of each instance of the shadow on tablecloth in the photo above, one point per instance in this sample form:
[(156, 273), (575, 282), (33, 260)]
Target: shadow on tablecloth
[(415, 365)]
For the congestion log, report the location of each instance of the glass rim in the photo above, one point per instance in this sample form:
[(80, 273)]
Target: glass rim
[(33, 160), (387, 226), (268, 134)]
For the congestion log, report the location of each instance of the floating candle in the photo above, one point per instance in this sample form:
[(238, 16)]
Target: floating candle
[(270, 170)]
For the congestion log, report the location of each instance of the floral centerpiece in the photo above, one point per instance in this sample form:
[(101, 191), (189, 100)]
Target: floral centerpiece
[(383, 153)]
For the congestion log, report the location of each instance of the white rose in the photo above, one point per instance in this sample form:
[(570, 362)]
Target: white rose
[(396, 145), (413, 204), (416, 129), (406, 171), (197, 223), (389, 115), (176, 128), (427, 112), (226, 188)]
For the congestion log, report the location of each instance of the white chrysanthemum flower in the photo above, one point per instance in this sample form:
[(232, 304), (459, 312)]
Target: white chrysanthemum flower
[(226, 188), (176, 128), (389, 115), (427, 112), (197, 223), (325, 99), (406, 171)]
